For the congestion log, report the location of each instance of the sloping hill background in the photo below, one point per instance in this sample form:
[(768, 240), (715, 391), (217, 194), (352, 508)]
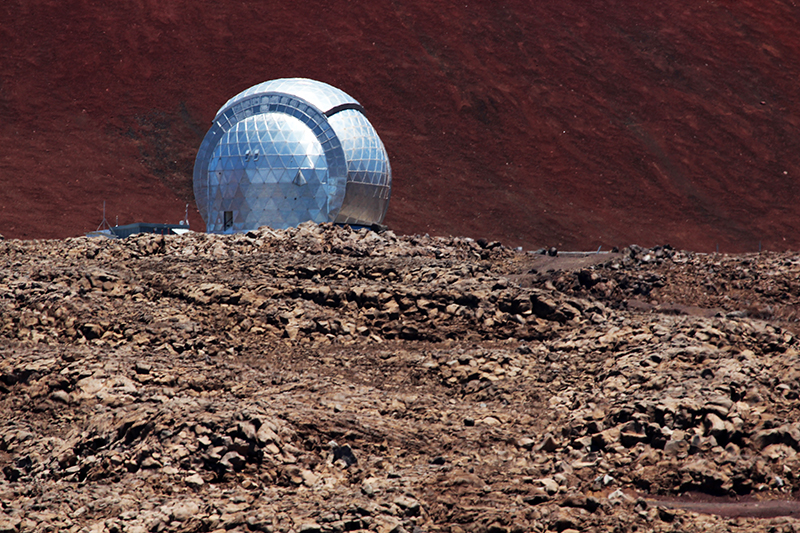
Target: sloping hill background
[(537, 123)]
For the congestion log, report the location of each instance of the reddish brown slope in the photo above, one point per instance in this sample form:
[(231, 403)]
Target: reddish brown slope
[(560, 123)]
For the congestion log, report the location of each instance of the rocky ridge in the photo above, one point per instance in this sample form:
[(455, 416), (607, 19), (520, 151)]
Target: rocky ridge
[(325, 379)]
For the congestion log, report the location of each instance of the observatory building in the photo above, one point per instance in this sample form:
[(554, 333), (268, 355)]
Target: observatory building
[(288, 151)]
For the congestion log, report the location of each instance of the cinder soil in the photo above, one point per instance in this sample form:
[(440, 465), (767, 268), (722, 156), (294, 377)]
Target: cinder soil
[(324, 380), (533, 123)]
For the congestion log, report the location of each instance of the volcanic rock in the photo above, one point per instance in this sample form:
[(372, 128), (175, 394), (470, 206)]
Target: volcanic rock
[(288, 392)]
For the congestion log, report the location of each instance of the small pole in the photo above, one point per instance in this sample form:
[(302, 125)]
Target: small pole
[(104, 224)]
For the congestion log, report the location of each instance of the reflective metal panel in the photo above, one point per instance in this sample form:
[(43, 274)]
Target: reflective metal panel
[(321, 95), (369, 176), (287, 151)]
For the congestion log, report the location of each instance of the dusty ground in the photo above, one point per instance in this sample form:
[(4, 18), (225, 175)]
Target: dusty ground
[(320, 379), (539, 124)]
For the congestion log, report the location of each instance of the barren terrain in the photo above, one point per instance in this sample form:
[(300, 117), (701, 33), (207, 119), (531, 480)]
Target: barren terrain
[(551, 123), (320, 379)]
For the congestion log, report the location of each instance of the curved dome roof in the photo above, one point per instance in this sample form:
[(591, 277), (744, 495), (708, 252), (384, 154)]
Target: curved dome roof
[(290, 150), (321, 95)]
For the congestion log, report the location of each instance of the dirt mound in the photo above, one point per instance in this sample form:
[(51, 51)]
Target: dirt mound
[(538, 125), (322, 379)]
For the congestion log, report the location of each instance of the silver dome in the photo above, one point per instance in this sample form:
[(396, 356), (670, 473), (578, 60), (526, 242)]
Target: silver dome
[(287, 151)]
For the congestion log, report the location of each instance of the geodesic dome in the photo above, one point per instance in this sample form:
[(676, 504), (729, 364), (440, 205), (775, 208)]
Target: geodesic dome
[(287, 151)]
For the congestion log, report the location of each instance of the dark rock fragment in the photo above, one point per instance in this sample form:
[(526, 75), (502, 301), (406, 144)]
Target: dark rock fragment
[(345, 453)]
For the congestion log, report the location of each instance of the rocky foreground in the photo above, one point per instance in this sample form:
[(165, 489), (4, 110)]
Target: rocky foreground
[(320, 379)]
